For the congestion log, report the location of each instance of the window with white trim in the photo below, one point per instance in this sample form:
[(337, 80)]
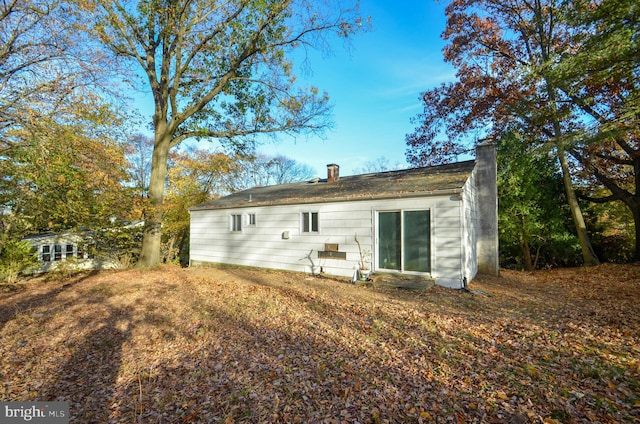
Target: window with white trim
[(46, 253), (236, 222), (57, 252), (69, 251), (251, 220), (310, 221)]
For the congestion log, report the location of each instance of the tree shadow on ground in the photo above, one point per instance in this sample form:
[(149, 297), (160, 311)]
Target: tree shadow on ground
[(18, 303)]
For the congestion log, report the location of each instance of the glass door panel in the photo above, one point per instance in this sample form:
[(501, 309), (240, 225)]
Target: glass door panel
[(389, 240), (416, 241)]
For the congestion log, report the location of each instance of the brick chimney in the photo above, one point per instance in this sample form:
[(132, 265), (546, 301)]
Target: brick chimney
[(333, 173)]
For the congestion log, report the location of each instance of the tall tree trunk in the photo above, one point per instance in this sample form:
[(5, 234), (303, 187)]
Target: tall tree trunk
[(588, 255), (150, 253), (635, 211), (524, 246)]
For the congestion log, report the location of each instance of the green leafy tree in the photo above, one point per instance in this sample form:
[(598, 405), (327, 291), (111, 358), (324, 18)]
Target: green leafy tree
[(531, 219), (218, 70), (15, 257)]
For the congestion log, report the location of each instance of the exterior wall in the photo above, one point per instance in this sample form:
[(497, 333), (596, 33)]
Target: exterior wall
[(77, 259), (485, 175), (264, 245), (470, 228)]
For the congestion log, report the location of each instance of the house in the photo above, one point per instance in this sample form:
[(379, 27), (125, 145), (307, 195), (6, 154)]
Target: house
[(438, 221), (75, 250), (59, 250)]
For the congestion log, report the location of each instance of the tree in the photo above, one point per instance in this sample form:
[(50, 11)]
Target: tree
[(600, 75), (531, 219), (139, 151), (64, 175), (45, 64), (218, 70), (286, 170), (380, 164), (262, 170), (193, 178), (499, 48)]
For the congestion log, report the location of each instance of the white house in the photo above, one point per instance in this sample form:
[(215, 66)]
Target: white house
[(438, 221), (56, 250), (71, 250)]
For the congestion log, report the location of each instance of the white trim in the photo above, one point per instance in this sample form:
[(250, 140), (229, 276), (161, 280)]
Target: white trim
[(310, 212), (235, 218), (376, 223)]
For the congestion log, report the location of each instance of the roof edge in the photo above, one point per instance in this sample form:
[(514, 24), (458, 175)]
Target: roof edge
[(254, 204)]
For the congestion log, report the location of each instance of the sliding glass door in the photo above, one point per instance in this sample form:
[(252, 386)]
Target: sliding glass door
[(404, 240)]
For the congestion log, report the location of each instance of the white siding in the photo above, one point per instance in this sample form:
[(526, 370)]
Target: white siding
[(470, 225), (264, 245)]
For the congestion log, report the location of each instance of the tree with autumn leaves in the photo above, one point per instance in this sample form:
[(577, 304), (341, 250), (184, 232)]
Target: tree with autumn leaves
[(563, 76), (218, 70), (552, 75), (61, 163)]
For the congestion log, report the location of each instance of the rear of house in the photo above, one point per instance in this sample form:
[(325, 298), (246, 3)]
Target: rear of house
[(423, 221)]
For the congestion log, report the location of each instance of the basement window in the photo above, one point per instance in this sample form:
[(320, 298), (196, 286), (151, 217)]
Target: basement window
[(310, 222)]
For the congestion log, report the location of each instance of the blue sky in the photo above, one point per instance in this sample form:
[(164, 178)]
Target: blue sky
[(374, 87)]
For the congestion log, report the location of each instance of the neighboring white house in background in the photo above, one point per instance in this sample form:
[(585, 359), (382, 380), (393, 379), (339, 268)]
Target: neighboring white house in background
[(71, 250), (54, 250), (438, 221)]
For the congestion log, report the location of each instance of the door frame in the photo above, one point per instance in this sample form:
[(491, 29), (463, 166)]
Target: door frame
[(376, 237)]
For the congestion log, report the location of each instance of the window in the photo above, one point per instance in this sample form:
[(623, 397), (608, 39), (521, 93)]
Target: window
[(236, 222), (57, 252), (46, 253), (309, 222), (252, 219), (69, 251)]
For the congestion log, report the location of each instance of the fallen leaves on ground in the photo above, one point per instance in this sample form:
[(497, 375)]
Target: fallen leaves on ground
[(214, 345)]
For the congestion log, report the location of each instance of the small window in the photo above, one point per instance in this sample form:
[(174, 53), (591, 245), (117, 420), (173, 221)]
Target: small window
[(57, 252), (309, 222), (236, 222), (252, 219), (46, 253), (69, 251), (80, 251)]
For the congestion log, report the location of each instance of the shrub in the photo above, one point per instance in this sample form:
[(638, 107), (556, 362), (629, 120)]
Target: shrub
[(15, 257)]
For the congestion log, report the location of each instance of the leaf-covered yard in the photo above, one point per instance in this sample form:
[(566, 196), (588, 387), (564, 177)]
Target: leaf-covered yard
[(238, 345)]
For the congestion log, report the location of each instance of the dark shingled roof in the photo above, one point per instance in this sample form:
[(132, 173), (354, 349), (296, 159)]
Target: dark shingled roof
[(391, 184)]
